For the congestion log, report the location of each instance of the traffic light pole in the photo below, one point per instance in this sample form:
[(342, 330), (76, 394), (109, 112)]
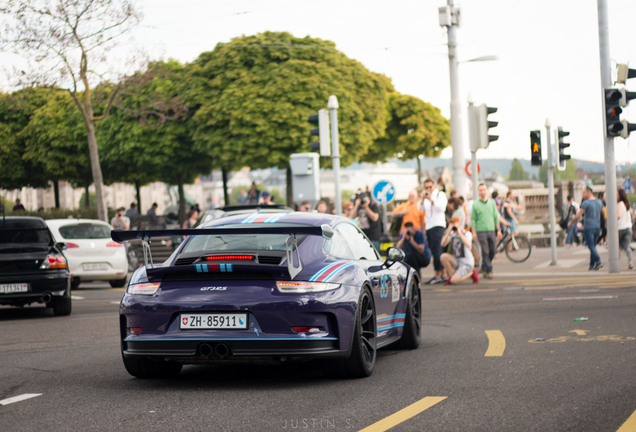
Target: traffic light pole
[(335, 150), (550, 167), (610, 165)]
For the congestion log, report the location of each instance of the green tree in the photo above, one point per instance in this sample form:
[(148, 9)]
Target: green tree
[(517, 172), (140, 145), (414, 128), (56, 143), (253, 95), (568, 174)]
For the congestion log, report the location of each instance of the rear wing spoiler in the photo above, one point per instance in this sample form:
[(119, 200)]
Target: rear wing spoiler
[(291, 245)]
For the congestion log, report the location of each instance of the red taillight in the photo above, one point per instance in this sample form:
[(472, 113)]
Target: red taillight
[(51, 259), (135, 329), (71, 246), (303, 329), (143, 288), (230, 258), (53, 262), (114, 244)]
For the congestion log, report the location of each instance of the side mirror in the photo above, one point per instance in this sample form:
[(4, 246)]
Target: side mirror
[(395, 254), (61, 246)]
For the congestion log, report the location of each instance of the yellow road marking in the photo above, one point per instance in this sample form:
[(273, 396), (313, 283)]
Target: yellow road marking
[(496, 343), (629, 425), (579, 332), (404, 414)]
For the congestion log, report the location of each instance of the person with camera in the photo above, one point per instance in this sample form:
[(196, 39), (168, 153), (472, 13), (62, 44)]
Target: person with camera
[(459, 264), (120, 221), (433, 204), (414, 245), (369, 221)]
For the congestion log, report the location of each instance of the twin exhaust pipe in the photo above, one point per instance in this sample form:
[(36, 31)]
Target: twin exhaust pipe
[(220, 350)]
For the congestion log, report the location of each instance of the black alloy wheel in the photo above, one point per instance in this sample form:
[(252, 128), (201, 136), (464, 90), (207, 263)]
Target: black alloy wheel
[(364, 350), (411, 334)]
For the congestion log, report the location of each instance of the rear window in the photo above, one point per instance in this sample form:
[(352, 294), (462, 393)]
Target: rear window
[(238, 242), (85, 231), (23, 236)]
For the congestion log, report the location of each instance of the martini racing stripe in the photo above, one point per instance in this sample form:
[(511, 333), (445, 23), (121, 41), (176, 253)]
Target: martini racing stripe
[(321, 274), (263, 218), (214, 268), (391, 321)]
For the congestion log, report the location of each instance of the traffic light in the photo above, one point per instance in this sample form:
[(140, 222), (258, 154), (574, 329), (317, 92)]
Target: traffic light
[(322, 131), (561, 146), (613, 112), (535, 147), (482, 125)]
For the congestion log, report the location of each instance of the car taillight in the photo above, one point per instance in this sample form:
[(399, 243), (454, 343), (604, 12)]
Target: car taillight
[(143, 288), (53, 262), (303, 329), (71, 246), (230, 258), (114, 244), (305, 287)]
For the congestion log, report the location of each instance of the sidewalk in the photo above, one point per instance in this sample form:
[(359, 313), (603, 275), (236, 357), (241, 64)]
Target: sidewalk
[(572, 268)]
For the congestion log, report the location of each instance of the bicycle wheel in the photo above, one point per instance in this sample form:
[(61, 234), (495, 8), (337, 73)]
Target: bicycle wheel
[(518, 249)]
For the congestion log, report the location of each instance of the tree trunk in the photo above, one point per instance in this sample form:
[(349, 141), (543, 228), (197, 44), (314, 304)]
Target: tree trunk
[(87, 197), (182, 201), (138, 189), (98, 179), (290, 189), (56, 192), (419, 172), (226, 196)]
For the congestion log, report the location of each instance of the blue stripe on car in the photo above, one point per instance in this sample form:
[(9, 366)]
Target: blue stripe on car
[(391, 317), (323, 271), (335, 272)]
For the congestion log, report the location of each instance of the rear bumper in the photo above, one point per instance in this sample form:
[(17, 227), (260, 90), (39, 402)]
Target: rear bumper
[(55, 283), (117, 268)]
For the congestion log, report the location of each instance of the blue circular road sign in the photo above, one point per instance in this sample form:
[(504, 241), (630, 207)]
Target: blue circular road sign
[(383, 192)]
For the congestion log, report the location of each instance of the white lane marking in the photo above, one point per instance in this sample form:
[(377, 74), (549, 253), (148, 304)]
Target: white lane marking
[(579, 298), (561, 263), (77, 297), (115, 302), (22, 397), (589, 290)]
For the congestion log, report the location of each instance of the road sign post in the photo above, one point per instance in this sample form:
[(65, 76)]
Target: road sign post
[(384, 193)]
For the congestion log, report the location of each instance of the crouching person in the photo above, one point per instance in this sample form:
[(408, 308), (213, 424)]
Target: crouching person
[(460, 263), (414, 245)]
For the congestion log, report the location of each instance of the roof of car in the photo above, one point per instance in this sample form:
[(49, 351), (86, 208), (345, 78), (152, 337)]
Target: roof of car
[(13, 222), (275, 217), (60, 222), (230, 208)]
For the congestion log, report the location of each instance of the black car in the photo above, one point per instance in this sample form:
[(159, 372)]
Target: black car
[(33, 268)]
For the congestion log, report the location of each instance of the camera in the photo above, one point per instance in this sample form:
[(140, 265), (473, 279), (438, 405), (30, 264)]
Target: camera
[(454, 229)]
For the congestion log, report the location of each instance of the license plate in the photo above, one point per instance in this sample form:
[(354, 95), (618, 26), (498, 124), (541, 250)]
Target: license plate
[(89, 267), (14, 288), (213, 321)]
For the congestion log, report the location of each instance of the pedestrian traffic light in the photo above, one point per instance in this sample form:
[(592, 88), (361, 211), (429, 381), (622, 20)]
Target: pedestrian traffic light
[(482, 125), (535, 148), (322, 131), (561, 146), (613, 112)]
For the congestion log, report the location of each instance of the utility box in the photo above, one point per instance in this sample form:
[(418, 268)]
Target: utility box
[(305, 177)]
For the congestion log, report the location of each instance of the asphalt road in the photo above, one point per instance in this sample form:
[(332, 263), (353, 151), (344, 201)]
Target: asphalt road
[(499, 356)]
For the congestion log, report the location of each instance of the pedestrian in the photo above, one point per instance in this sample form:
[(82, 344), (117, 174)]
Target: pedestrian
[(459, 264), (369, 221), (348, 211), (322, 207), (498, 202), (191, 220), (508, 206), (152, 214), (602, 240), (242, 198), (132, 211), (569, 210), (484, 219), (414, 245), (591, 208), (410, 212), (266, 198), (305, 206), (625, 226), (120, 221), (18, 206), (434, 206), (254, 195)]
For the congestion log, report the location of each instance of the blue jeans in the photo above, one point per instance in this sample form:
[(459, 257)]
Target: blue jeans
[(569, 239), (591, 237)]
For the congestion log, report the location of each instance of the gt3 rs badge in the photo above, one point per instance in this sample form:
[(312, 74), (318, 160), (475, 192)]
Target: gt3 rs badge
[(219, 288)]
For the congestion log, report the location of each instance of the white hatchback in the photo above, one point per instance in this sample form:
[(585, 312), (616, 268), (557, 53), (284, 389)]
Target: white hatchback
[(90, 252)]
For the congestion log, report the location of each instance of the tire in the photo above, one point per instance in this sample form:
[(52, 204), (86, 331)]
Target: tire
[(61, 306), (520, 253), (118, 283), (411, 335), (361, 362), (146, 368), (75, 283)]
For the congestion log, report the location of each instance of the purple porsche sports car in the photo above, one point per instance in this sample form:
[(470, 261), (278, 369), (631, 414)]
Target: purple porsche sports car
[(268, 287)]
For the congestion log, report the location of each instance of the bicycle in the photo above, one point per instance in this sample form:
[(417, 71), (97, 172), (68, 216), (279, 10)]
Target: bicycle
[(517, 248)]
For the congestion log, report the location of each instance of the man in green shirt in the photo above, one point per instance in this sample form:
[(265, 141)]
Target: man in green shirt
[(485, 223)]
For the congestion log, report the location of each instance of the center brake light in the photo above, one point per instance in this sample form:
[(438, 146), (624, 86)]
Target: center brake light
[(53, 262), (230, 258), (143, 288), (305, 287)]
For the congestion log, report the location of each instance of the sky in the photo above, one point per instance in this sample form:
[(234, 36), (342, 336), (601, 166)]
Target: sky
[(548, 54)]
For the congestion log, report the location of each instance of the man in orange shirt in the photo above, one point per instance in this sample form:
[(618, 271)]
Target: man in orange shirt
[(410, 213)]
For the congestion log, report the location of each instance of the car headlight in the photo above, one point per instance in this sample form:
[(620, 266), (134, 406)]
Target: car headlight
[(305, 287)]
